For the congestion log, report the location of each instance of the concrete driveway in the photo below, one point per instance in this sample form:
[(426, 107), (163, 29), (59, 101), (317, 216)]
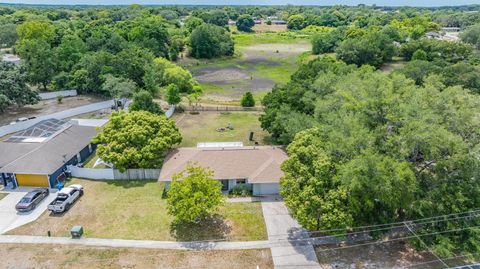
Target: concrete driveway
[(290, 245), (10, 218)]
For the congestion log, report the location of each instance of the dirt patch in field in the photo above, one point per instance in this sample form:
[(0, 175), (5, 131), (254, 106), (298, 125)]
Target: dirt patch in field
[(220, 75), (46, 107), (281, 48), (53, 256), (259, 61)]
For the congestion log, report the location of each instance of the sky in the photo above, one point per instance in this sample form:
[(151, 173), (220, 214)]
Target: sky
[(251, 2)]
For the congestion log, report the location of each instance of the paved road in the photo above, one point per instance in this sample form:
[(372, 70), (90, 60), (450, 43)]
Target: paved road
[(7, 129), (296, 249), (11, 219)]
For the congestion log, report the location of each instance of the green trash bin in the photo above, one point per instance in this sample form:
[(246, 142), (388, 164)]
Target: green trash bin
[(76, 232)]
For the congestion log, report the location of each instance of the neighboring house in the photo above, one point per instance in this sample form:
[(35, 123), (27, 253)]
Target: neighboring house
[(11, 58), (257, 167), (37, 156)]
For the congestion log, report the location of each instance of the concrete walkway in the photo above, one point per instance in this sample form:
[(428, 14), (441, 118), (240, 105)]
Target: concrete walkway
[(296, 249), (120, 243)]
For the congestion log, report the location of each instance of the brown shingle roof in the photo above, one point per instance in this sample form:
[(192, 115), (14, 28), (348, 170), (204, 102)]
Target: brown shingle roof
[(257, 164)]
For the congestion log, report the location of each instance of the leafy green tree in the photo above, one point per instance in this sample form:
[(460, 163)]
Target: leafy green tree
[(137, 139), (69, 52), (39, 60), (193, 22), (308, 188), (143, 100), (247, 100), (162, 73), (173, 94), (471, 35), (132, 62), (209, 41), (326, 42), (193, 194), (8, 35), (245, 23), (373, 49), (118, 87), (88, 75), (152, 33), (419, 55), (13, 87), (296, 22), (216, 17), (36, 30)]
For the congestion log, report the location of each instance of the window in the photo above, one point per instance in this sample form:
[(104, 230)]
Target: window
[(241, 181)]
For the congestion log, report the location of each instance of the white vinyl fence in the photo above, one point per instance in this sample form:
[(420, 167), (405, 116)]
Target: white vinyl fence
[(114, 174), (53, 95)]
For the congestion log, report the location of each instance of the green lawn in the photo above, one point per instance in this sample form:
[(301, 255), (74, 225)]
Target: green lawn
[(3, 195), (90, 161), (136, 210), (203, 127)]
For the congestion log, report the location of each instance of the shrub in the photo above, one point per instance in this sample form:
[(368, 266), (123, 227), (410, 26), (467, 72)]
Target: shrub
[(240, 190), (247, 100)]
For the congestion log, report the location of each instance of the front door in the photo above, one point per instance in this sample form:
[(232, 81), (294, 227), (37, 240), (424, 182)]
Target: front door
[(224, 185)]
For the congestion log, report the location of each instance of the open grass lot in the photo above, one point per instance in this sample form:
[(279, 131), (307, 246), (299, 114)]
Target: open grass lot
[(386, 255), (53, 256), (136, 210), (203, 127), (261, 60)]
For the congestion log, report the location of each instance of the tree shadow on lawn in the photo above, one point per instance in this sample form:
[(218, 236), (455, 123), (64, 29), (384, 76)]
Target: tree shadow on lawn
[(210, 228)]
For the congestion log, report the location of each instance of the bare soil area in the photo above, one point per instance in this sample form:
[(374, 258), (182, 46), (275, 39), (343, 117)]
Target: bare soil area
[(391, 255), (46, 107), (220, 75), (53, 256)]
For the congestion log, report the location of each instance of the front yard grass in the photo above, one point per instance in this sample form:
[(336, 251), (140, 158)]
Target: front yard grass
[(203, 127), (36, 256), (136, 210)]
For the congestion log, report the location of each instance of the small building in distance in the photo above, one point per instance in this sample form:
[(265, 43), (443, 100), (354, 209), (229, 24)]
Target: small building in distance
[(39, 155), (257, 167)]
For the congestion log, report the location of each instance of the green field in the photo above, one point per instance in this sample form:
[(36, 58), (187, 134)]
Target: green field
[(261, 61), (136, 210), (203, 127)]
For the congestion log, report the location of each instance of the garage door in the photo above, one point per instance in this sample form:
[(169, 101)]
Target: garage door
[(32, 180)]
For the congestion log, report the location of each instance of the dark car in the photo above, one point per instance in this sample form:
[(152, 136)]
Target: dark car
[(31, 200)]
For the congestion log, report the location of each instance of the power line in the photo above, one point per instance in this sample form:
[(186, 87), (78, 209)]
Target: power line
[(445, 259), (424, 244)]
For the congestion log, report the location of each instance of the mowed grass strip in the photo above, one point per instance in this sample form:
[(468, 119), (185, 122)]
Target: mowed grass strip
[(53, 256), (203, 127), (136, 210)]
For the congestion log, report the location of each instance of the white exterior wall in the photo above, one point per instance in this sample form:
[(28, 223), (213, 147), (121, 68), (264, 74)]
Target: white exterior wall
[(265, 188)]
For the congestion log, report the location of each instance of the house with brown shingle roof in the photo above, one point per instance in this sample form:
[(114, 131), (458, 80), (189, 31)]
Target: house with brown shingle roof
[(257, 167)]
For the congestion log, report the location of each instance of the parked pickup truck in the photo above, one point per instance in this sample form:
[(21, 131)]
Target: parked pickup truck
[(65, 198)]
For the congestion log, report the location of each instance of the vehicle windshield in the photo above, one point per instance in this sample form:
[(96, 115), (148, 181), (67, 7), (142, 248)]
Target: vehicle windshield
[(25, 200)]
